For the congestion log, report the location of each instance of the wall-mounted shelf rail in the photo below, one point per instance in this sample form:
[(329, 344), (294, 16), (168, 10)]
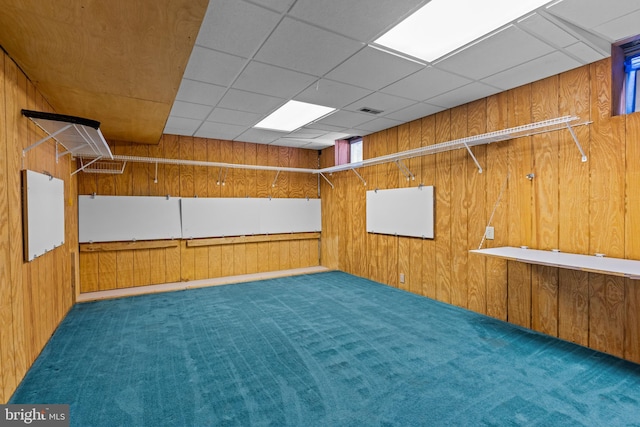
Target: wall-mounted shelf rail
[(79, 136), (589, 263), (560, 123)]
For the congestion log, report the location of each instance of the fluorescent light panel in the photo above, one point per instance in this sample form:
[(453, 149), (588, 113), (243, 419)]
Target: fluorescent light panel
[(442, 26), (293, 115)]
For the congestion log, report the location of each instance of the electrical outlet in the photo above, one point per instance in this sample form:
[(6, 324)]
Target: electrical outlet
[(401, 277), (489, 233)]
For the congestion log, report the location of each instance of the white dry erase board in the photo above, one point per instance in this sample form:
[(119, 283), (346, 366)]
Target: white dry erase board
[(401, 212), (128, 218), (43, 213), (218, 217)]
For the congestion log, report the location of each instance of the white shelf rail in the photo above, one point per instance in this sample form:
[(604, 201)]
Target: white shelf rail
[(560, 123)]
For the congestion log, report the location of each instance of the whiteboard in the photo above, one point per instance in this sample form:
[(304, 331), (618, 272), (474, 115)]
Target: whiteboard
[(401, 212), (213, 217), (128, 218), (218, 217), (43, 213)]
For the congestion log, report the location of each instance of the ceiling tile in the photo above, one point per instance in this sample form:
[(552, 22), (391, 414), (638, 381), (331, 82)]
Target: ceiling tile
[(426, 83), (359, 19), (259, 136), (540, 68), (269, 80), (414, 112), (584, 52), (233, 117), (236, 27), (290, 142), (213, 67), (547, 30), (305, 48), (189, 110), (373, 69), (621, 28), (462, 95), (345, 119), (588, 14), (277, 5), (248, 101), (318, 145), (305, 132), (181, 126), (381, 101), (332, 94), (379, 124), (199, 92), (327, 127), (505, 49), (219, 131)]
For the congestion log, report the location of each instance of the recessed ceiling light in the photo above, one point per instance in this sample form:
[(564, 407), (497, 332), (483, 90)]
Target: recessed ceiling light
[(442, 26), (293, 115)]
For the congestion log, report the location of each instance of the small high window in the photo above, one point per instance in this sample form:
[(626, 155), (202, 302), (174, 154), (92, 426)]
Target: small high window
[(355, 150), (631, 67)]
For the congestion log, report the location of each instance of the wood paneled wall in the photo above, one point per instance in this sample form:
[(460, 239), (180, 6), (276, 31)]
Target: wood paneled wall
[(34, 296), (573, 206), (127, 268)]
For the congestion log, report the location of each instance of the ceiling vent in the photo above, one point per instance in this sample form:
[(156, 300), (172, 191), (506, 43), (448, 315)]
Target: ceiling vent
[(370, 110)]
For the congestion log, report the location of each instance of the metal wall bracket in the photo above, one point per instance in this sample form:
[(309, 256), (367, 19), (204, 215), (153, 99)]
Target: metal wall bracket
[(405, 170), (325, 178), (359, 176), (473, 157), (575, 139)]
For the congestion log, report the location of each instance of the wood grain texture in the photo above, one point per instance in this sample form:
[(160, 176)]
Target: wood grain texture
[(573, 306), (443, 206), (476, 210), (545, 209), (459, 214), (7, 350), (428, 171)]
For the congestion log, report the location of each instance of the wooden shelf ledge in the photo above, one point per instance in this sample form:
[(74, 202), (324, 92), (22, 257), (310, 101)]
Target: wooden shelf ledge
[(589, 263), (127, 246), (218, 241)]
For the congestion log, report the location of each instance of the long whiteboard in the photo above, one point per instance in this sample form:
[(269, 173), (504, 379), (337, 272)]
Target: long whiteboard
[(120, 218), (128, 218), (43, 213), (217, 217), (401, 212)]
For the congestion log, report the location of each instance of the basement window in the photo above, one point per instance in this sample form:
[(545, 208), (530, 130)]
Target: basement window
[(355, 150), (631, 67)]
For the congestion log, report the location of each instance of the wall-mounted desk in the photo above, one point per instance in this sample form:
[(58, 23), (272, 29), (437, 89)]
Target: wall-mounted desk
[(590, 263)]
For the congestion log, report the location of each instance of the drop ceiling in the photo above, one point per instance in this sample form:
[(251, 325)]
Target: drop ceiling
[(252, 56)]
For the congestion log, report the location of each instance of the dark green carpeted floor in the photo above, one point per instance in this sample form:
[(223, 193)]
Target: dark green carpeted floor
[(326, 349)]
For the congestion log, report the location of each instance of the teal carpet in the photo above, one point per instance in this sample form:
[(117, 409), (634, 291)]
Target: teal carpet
[(326, 349)]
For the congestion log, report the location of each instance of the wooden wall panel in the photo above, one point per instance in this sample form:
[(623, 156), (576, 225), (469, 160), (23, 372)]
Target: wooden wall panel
[(520, 209), (428, 171), (573, 232), (459, 216), (443, 205), (34, 296), (415, 245), (404, 243), (544, 283), (606, 209), (476, 211)]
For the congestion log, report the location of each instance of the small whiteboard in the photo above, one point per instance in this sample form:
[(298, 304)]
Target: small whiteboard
[(401, 212), (43, 213), (128, 218), (219, 217)]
